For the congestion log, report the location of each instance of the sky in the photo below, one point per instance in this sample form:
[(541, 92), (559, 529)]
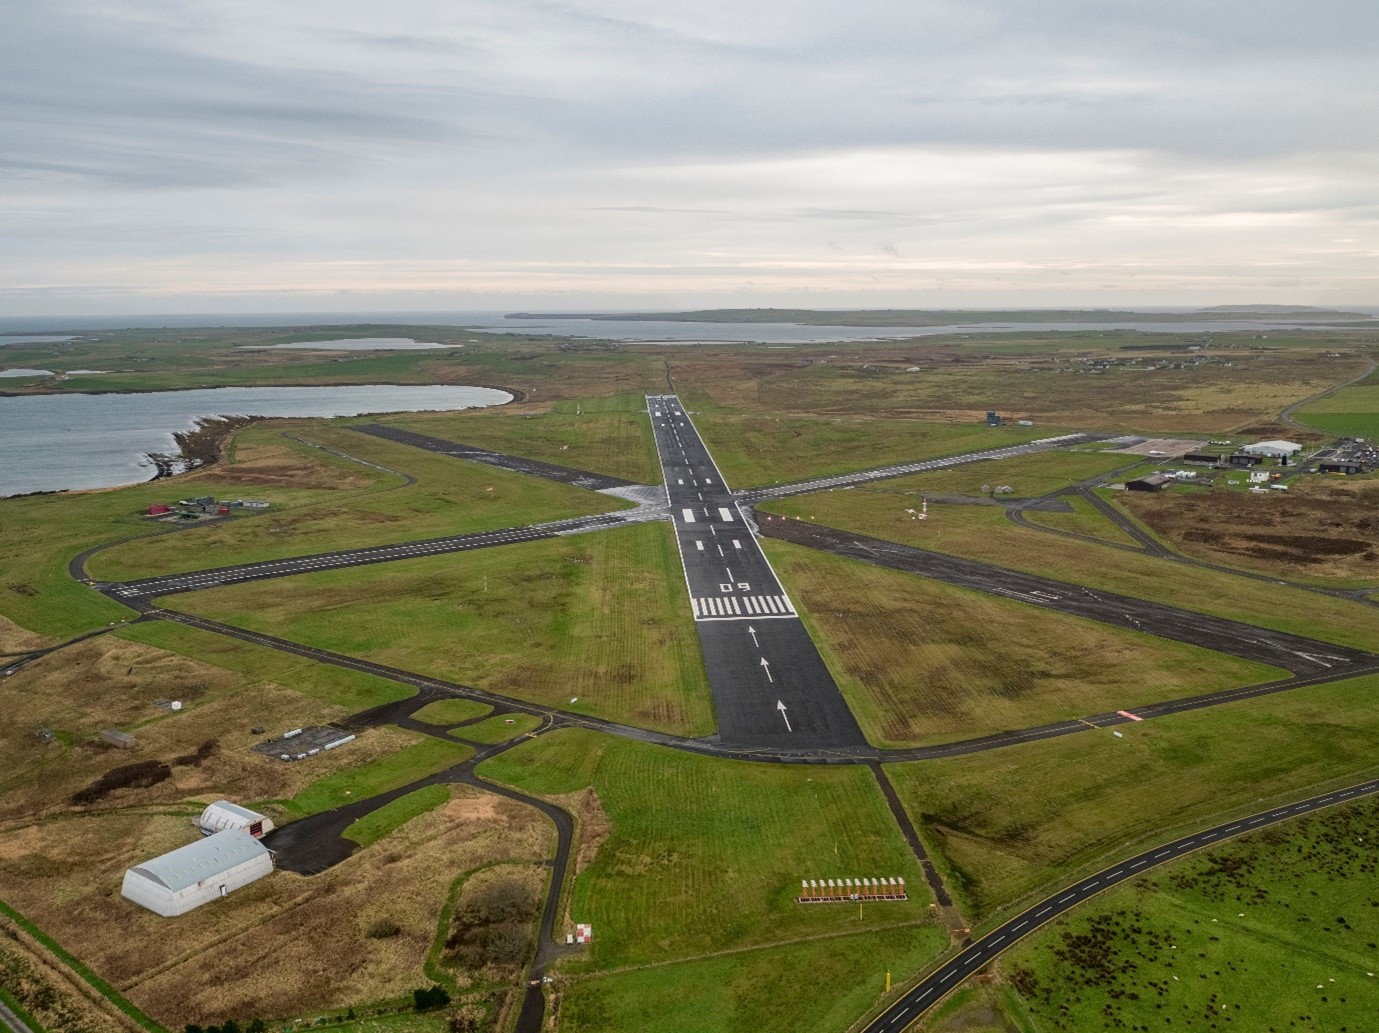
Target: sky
[(261, 156)]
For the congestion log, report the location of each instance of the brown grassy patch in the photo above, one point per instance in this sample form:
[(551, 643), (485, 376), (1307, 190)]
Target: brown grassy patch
[(490, 935), (262, 461), (49, 992), (15, 639), (284, 946), (110, 682), (1320, 529)]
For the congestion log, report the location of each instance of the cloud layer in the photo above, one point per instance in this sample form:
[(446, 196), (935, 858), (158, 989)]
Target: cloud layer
[(248, 154)]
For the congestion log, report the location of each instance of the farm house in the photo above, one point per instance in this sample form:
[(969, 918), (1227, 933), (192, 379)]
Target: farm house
[(198, 873), (223, 815)]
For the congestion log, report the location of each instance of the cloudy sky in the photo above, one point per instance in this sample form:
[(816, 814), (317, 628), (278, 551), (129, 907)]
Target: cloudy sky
[(256, 155)]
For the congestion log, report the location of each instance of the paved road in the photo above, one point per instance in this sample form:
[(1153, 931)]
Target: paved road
[(9, 1019), (516, 464), (879, 473), (770, 685), (1301, 656), (1286, 416), (169, 584), (913, 1004)]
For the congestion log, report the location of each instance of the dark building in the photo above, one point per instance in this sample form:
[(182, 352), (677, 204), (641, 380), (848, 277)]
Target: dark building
[(1202, 458), (1244, 459), (1152, 482), (993, 419), (1340, 466)]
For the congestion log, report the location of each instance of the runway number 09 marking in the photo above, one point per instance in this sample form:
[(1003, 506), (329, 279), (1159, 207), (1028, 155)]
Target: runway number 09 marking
[(742, 586)]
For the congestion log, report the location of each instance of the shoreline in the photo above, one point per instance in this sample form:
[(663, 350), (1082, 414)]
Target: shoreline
[(202, 446), (518, 395)]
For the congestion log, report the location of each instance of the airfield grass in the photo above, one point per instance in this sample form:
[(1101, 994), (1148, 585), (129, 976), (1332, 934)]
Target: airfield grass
[(1009, 824), (448, 712), (705, 855), (817, 986), (43, 532), (598, 618), (451, 496), (1028, 476), (921, 662), (63, 876), (983, 533), (751, 450), (1344, 424), (422, 758), (610, 435), (1275, 931), (111, 682), (1352, 411), (1085, 519), (496, 729), (350, 690), (393, 815)]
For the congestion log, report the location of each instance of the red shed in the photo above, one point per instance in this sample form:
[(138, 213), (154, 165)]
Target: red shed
[(158, 509)]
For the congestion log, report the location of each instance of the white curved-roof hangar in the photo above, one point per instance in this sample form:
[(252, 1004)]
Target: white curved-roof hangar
[(182, 879)]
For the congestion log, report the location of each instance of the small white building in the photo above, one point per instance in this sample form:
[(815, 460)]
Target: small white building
[(198, 873), (1274, 449), (223, 815)]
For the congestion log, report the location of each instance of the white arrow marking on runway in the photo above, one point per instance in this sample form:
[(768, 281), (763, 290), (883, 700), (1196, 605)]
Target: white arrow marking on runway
[(767, 668), (781, 707), (1313, 658), (753, 632)]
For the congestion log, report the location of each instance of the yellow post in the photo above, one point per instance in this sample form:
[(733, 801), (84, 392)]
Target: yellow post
[(888, 980)]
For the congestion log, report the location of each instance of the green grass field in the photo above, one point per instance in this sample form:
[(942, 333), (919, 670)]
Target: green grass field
[(609, 435), (1347, 424), (706, 855), (818, 986), (598, 618), (1028, 476), (354, 690), (920, 661), (396, 813), (425, 757), (985, 534), (1015, 822), (497, 729), (753, 450), (451, 496), (448, 712), (1275, 931), (43, 532), (1085, 519)]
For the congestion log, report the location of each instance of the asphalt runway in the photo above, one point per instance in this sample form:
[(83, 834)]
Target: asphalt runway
[(880, 473), (503, 461), (1302, 657), (913, 1004), (770, 686), (170, 584)]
